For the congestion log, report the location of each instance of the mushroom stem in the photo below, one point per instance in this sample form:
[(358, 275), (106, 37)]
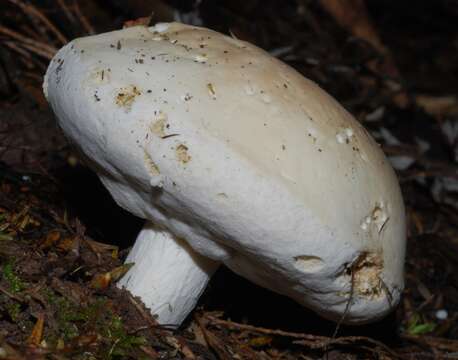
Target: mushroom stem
[(168, 275)]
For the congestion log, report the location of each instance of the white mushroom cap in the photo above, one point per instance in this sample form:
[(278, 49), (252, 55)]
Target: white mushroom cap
[(240, 155)]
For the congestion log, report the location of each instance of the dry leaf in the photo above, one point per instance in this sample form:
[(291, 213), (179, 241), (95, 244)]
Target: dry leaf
[(102, 281), (51, 238), (37, 331)]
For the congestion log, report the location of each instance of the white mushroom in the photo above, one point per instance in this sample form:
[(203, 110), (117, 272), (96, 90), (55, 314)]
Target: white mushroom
[(237, 159)]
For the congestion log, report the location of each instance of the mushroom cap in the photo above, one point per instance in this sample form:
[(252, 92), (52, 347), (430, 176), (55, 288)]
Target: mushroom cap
[(239, 154)]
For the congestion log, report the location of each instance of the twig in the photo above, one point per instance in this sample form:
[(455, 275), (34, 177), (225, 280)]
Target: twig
[(33, 45), (66, 11), (11, 295), (313, 341), (83, 20), (31, 32), (142, 312), (261, 330), (348, 305), (347, 340), (185, 350), (37, 51), (212, 341), (32, 11), (347, 309), (13, 46)]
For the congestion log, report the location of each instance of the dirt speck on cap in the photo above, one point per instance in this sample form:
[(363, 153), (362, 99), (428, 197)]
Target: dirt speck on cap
[(150, 165), (126, 96), (182, 154), (367, 275), (158, 126)]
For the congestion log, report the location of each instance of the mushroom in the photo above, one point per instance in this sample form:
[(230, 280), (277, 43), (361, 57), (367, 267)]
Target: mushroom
[(233, 158)]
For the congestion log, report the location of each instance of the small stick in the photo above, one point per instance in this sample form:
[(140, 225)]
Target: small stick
[(84, 21), (38, 51), (43, 48), (348, 305), (32, 11), (66, 11), (142, 312), (11, 295), (13, 46), (261, 330), (312, 341), (345, 313)]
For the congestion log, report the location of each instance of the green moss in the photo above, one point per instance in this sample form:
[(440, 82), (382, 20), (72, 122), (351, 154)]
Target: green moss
[(5, 237), (66, 313), (417, 326), (15, 283), (122, 342), (97, 317), (14, 310)]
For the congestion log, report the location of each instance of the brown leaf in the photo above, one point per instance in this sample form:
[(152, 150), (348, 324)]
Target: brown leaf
[(145, 21), (99, 247), (438, 105), (37, 331), (69, 244), (102, 281), (51, 238), (260, 341)]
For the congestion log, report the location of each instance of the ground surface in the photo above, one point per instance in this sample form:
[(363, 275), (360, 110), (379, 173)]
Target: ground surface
[(62, 239)]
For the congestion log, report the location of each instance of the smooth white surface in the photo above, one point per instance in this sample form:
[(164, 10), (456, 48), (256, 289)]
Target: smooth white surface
[(238, 154), (168, 275)]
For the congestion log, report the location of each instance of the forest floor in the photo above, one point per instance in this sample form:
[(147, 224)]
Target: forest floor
[(63, 240)]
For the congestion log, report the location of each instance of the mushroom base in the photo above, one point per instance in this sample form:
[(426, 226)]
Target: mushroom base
[(168, 275)]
